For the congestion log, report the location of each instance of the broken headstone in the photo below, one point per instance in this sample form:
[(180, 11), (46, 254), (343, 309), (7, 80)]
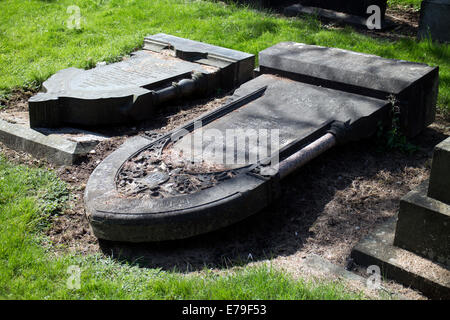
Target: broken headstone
[(166, 69), (354, 7)]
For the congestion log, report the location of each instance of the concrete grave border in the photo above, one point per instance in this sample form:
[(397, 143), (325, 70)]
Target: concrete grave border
[(55, 149)]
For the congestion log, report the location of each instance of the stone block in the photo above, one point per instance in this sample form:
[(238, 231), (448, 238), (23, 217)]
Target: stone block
[(413, 85), (434, 20), (46, 145), (347, 18), (354, 7)]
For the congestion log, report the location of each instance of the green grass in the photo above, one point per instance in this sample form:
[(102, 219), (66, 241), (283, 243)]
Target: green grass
[(29, 269), (408, 3), (35, 41)]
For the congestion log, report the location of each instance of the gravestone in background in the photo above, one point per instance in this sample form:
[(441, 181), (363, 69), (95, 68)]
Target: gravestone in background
[(435, 20), (354, 7), (166, 69)]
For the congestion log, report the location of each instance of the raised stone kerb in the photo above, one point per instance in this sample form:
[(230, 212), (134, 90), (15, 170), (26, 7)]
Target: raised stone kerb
[(211, 55), (347, 18), (402, 265), (54, 148)]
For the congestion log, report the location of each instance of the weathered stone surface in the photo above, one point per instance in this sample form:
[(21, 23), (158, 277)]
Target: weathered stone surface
[(130, 90), (239, 62), (414, 85), (51, 147), (439, 187), (434, 20), (301, 112), (423, 226), (296, 108), (401, 265)]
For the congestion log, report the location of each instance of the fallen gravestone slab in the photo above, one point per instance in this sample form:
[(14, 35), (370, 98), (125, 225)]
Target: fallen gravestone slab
[(168, 187), (199, 178), (414, 86), (168, 68)]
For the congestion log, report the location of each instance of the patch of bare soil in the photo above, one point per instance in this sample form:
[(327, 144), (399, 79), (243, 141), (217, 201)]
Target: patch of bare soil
[(17, 100), (406, 24), (403, 23)]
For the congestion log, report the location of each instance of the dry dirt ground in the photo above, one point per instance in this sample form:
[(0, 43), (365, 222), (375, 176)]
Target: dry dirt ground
[(405, 21), (324, 209)]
